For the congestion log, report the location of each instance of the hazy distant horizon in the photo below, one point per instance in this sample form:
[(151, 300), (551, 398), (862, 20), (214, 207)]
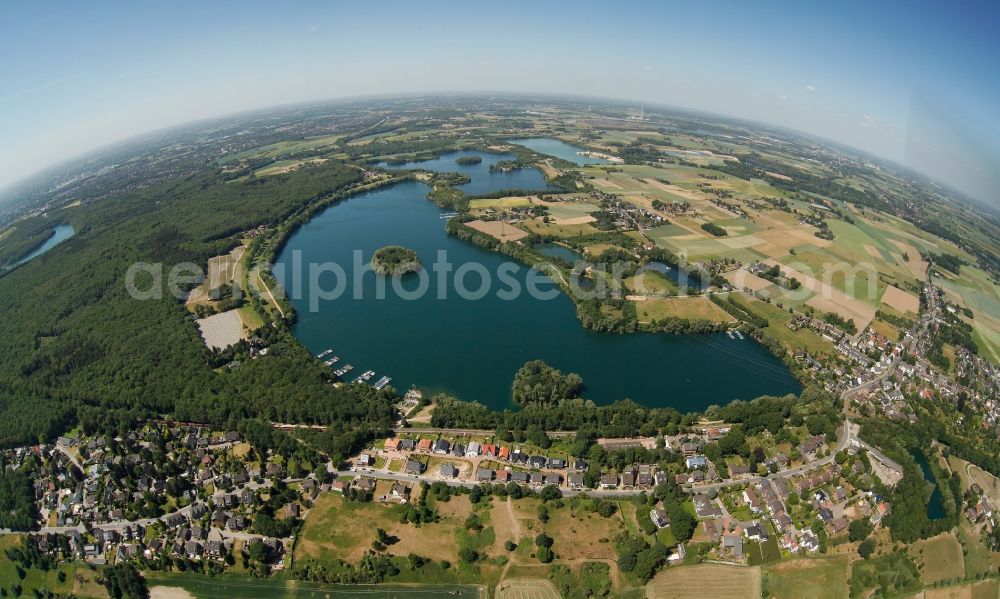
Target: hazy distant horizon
[(11, 188), (911, 83)]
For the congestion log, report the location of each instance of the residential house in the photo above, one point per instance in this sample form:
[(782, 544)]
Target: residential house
[(401, 492), (473, 450), (659, 518)]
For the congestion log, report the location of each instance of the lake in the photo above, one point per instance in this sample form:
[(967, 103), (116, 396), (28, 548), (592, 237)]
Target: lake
[(471, 348), (557, 148), (60, 233), (555, 250), (483, 180), (935, 509)]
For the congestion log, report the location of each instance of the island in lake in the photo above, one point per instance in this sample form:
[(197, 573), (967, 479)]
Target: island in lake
[(395, 260), (468, 160)]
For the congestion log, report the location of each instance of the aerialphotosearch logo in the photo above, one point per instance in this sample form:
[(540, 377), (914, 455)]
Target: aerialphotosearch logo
[(316, 283)]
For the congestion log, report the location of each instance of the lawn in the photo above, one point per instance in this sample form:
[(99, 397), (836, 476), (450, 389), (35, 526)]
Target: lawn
[(824, 578), (542, 228), (650, 283), (508, 202), (692, 308)]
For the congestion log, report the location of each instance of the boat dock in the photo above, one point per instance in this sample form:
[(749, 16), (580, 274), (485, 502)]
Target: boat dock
[(365, 376), (739, 334), (332, 360), (730, 333), (343, 370), (324, 354), (382, 382)]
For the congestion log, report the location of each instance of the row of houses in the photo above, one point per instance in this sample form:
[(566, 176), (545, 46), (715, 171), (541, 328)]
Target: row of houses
[(475, 449)]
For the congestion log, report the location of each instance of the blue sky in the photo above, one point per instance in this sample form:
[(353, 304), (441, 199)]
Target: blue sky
[(915, 82)]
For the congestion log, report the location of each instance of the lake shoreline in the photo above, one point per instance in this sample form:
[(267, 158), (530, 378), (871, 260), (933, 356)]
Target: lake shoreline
[(692, 405)]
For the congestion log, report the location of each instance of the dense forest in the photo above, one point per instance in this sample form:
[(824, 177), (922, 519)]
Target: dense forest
[(82, 351)]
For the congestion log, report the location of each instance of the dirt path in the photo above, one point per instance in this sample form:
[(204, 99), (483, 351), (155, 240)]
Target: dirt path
[(268, 292), (515, 524)]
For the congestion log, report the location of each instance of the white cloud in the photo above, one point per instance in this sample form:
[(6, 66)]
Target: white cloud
[(811, 89), (782, 98)]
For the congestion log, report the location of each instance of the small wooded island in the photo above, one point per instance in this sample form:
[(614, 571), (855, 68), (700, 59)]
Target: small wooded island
[(395, 260), (467, 160)]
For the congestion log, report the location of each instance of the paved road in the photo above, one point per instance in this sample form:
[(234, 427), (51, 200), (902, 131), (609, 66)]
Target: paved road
[(69, 455)]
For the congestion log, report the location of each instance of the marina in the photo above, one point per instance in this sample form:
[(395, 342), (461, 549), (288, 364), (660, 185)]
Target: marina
[(332, 361), (365, 376), (324, 354), (343, 370), (382, 382)]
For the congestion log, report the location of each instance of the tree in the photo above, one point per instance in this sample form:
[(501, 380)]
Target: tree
[(682, 523), (606, 508), (543, 540), (538, 384), (468, 555), (860, 529), (544, 555), (866, 548), (510, 545), (550, 493), (123, 581)]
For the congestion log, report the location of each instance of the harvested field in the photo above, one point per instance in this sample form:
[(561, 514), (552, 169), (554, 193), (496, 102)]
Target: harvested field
[(820, 578), (584, 534), (916, 264), (164, 592), (576, 220), (939, 558), (527, 588), (900, 300), (221, 330), (779, 241), (606, 183), (830, 299), (338, 529), (743, 278), (498, 230), (872, 251), (986, 589), (705, 580)]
